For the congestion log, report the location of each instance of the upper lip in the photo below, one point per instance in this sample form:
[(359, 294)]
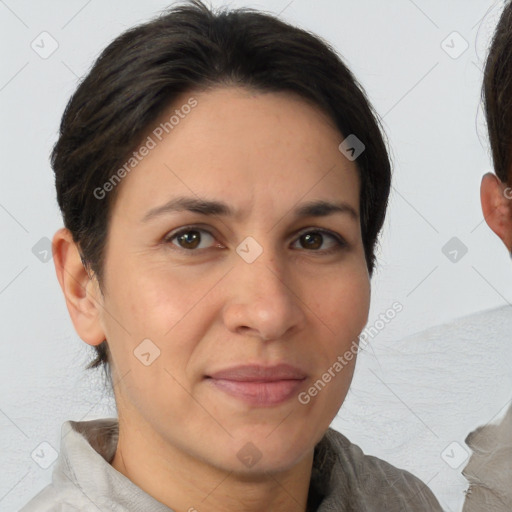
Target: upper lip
[(258, 373)]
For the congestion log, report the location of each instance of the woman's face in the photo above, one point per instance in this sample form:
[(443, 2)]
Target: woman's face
[(190, 295)]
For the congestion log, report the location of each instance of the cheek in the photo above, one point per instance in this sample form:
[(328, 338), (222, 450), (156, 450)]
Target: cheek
[(343, 304), (154, 329), (344, 308), (172, 309), (154, 300)]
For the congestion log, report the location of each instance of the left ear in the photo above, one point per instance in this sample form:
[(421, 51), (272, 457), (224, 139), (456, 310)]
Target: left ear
[(496, 199)]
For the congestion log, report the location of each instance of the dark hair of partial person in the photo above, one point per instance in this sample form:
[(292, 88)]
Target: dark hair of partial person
[(191, 48), (497, 95)]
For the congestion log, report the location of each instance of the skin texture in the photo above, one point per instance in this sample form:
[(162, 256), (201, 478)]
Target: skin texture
[(496, 199), (262, 154)]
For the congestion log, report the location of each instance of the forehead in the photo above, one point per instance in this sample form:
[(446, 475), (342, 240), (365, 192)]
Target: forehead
[(243, 146)]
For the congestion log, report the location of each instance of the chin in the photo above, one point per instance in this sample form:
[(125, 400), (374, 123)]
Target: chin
[(270, 450)]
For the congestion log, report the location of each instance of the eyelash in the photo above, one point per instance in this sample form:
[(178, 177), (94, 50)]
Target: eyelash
[(341, 244)]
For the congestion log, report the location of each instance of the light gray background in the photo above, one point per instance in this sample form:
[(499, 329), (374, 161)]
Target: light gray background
[(415, 392)]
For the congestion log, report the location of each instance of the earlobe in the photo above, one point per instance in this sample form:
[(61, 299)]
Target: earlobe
[(81, 292)]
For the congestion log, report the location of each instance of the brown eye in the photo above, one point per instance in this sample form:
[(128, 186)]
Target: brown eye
[(190, 239), (314, 239)]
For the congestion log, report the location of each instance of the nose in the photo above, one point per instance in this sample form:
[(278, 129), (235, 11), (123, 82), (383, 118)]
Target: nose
[(264, 299)]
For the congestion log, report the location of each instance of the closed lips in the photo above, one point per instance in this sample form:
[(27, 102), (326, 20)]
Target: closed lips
[(259, 386), (257, 373)]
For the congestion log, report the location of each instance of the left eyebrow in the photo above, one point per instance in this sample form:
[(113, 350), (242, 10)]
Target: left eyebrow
[(324, 208), (205, 207)]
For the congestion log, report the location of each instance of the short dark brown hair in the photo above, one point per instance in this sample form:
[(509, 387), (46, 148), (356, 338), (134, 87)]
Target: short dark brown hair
[(189, 48), (497, 95)]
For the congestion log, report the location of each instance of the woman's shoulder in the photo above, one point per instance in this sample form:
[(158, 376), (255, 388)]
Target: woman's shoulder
[(50, 499), (372, 483), (81, 465)]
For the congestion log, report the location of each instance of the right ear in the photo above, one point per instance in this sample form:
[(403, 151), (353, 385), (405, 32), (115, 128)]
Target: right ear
[(83, 297), (496, 199)]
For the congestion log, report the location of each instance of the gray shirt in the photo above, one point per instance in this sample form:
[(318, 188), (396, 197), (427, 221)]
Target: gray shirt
[(343, 479), (489, 470)]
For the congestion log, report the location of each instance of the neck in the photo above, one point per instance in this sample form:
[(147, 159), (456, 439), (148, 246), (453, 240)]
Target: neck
[(186, 484)]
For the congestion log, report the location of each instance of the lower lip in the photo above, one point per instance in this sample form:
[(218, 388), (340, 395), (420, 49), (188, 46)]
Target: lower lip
[(263, 394)]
